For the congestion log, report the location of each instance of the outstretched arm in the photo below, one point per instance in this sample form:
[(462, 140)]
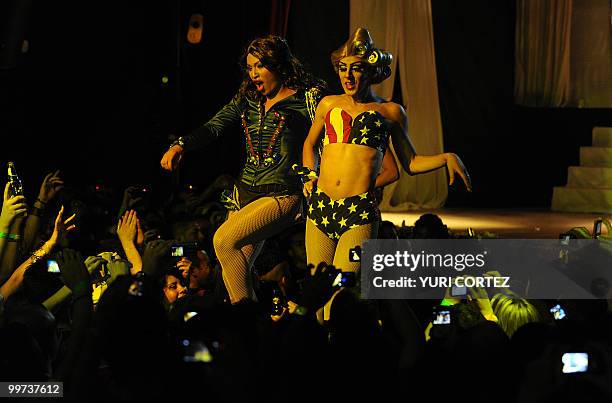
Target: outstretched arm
[(228, 116), (416, 164)]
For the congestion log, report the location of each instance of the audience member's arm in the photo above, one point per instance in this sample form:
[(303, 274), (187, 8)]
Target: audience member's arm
[(12, 208), (127, 231), (50, 187), (16, 279)]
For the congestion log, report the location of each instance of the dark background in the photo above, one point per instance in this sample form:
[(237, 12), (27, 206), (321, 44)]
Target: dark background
[(88, 97)]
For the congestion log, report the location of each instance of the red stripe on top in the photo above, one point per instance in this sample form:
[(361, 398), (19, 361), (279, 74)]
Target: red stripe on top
[(330, 132)]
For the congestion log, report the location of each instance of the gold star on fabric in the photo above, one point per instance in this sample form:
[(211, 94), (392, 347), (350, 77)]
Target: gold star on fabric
[(334, 216), (365, 130), (336, 235), (342, 222), (353, 141), (364, 215), (364, 140), (313, 221), (371, 112), (331, 203), (378, 123), (361, 120), (354, 226), (340, 202), (330, 235), (352, 208), (321, 205), (324, 221), (363, 196), (310, 208), (318, 192), (294, 166)]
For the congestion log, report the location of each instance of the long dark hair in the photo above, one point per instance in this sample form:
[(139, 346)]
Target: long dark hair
[(274, 53)]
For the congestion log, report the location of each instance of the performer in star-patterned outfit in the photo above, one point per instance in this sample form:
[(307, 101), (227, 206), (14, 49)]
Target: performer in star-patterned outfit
[(357, 128)]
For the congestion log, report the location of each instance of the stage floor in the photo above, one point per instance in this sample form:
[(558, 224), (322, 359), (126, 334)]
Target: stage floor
[(508, 223)]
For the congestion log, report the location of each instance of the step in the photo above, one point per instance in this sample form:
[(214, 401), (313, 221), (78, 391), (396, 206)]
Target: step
[(582, 200), (602, 136), (596, 156), (589, 177)]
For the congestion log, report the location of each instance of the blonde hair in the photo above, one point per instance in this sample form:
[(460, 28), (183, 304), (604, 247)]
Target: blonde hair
[(513, 312), (361, 44)]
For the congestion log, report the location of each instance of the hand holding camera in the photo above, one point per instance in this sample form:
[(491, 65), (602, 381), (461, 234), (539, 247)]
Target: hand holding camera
[(319, 288)]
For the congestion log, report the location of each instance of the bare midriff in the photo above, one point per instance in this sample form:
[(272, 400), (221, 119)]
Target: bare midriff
[(348, 169)]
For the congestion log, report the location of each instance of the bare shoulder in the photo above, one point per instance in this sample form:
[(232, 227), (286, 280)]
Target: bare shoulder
[(393, 112), (327, 102)]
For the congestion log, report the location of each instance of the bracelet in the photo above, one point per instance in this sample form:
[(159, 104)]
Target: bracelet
[(40, 201), (178, 142)]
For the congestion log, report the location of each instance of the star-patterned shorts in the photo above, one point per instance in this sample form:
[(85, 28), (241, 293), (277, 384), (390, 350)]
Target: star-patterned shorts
[(335, 217)]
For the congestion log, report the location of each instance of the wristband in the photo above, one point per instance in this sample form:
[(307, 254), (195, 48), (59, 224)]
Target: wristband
[(446, 302), (40, 201), (178, 142)]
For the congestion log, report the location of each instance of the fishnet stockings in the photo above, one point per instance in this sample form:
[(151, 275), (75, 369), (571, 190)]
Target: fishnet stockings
[(239, 240)]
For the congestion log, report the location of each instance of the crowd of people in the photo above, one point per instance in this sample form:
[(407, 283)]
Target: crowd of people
[(136, 296)]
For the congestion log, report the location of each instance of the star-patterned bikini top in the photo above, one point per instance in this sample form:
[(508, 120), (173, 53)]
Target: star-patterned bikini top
[(369, 129)]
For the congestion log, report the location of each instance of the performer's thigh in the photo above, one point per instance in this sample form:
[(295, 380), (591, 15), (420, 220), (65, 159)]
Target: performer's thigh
[(258, 220), (319, 247)]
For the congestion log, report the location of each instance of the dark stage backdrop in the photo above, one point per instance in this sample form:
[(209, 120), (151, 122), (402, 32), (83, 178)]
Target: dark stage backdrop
[(88, 96), (516, 155)]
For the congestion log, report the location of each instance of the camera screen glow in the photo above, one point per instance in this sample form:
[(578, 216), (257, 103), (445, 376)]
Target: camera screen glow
[(575, 362)]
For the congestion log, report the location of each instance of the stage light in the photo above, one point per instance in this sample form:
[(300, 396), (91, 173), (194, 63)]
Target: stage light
[(194, 33)]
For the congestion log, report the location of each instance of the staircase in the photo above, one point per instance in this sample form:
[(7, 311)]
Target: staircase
[(589, 186)]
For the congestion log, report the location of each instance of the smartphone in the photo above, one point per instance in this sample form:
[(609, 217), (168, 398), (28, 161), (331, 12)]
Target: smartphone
[(558, 312), (52, 266), (575, 362), (345, 279), (178, 251), (597, 228), (457, 291), (441, 316)]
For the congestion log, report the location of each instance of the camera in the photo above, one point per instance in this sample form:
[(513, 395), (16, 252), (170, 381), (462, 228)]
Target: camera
[(355, 254), (575, 362), (558, 312), (52, 266), (345, 279), (441, 316), (184, 249)]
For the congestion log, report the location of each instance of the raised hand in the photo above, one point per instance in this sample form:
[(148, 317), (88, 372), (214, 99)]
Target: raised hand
[(127, 229), (172, 158), (74, 272), (62, 227), (455, 165), (319, 288), (50, 187), (184, 265), (12, 207)]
